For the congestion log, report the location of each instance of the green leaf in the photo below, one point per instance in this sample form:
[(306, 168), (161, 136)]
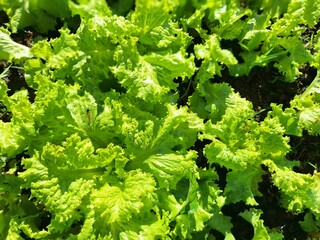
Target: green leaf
[(255, 31), (312, 12), (89, 8), (149, 14), (170, 38), (289, 66), (156, 229), (61, 177), (298, 191), (40, 14), (83, 110), (271, 141), (11, 142), (260, 231), (234, 118), (198, 210), (16, 134), (51, 113), (118, 203), (307, 106), (170, 168), (10, 50), (150, 76), (214, 56), (209, 101), (240, 144), (288, 118), (175, 132), (272, 8), (226, 12), (254, 58), (309, 224), (74, 153), (243, 188), (9, 202), (212, 201)]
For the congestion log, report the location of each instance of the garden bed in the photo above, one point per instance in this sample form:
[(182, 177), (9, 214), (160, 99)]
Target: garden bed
[(160, 120)]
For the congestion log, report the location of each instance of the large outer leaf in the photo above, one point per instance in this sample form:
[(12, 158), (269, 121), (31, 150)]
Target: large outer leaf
[(15, 135), (62, 176), (117, 203), (38, 13), (299, 191), (308, 107), (260, 231), (10, 50), (170, 168)]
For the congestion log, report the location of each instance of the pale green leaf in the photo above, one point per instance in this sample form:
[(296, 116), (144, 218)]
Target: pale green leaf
[(214, 56), (298, 191), (243, 185), (10, 50), (120, 204), (170, 168), (260, 231)]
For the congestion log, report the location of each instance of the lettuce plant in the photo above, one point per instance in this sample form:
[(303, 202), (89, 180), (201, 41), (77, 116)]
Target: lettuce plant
[(107, 148)]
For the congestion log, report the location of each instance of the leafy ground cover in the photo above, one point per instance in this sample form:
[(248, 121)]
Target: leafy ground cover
[(159, 119)]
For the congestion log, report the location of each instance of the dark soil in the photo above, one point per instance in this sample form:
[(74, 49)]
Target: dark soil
[(274, 215), (15, 80), (265, 85), (306, 150), (3, 18)]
